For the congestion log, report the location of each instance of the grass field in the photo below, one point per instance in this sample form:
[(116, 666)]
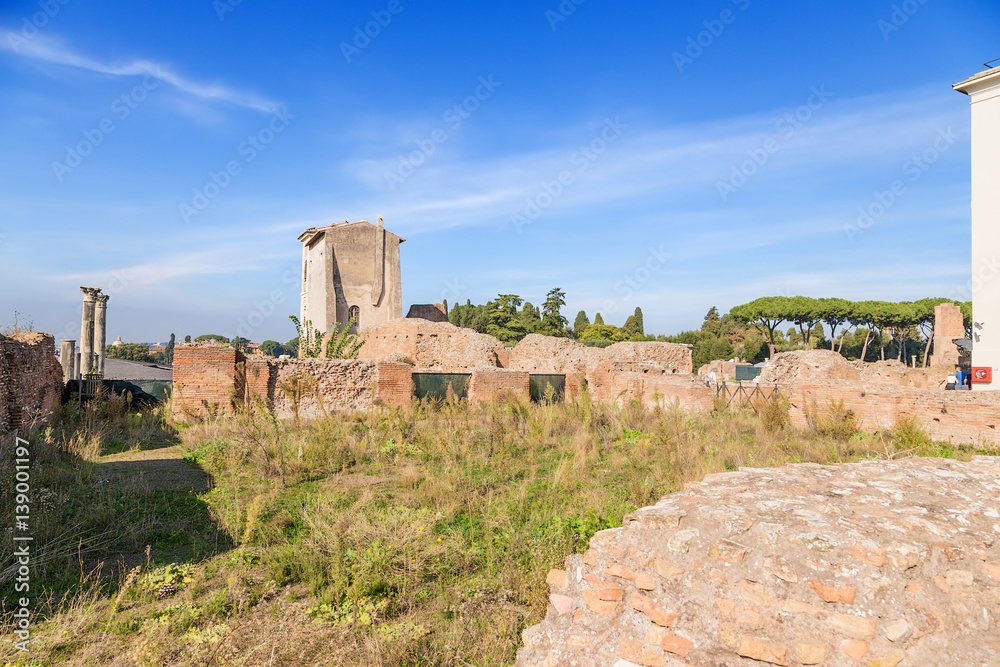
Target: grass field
[(416, 536)]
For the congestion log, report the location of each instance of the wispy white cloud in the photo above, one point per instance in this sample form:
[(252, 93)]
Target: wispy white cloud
[(46, 49), (681, 163)]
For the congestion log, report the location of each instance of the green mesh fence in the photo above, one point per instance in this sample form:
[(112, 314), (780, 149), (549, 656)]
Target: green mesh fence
[(747, 372), (435, 385), (538, 386)]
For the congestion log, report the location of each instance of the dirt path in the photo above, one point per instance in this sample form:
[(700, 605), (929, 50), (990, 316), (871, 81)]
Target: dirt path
[(161, 469)]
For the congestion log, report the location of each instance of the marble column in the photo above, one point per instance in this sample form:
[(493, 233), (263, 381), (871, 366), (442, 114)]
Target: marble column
[(87, 330), (67, 355), (100, 329)]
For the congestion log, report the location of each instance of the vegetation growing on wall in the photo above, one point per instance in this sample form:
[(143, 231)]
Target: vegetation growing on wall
[(340, 343)]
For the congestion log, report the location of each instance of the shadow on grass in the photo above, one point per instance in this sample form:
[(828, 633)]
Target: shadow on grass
[(141, 508)]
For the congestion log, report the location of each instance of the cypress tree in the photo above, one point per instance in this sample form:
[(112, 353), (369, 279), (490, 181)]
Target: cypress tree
[(580, 324)]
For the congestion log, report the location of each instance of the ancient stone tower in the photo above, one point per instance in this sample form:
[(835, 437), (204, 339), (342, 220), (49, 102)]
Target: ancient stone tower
[(350, 269)]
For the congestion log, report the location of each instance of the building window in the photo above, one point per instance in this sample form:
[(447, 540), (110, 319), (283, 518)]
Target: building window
[(355, 314)]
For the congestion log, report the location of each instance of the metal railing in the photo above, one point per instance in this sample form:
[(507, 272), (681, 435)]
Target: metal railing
[(744, 394), (90, 385)]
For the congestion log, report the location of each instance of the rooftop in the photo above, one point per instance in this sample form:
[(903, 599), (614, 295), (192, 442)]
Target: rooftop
[(308, 235), (989, 72), (122, 369)]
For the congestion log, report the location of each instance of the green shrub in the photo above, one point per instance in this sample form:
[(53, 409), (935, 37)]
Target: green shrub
[(908, 434)]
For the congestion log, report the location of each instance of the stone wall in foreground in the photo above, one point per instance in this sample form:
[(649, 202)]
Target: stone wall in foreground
[(879, 563), (31, 379)]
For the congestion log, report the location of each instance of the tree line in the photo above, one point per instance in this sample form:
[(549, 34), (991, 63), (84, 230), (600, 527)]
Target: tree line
[(509, 318), (140, 352), (908, 326), (868, 330)]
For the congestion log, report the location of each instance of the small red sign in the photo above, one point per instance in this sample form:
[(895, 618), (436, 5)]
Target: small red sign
[(982, 374)]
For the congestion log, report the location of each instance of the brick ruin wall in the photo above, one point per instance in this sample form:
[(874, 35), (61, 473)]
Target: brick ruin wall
[(488, 384), (204, 376), (432, 346), (31, 379), (214, 377), (207, 375), (952, 416), (441, 346), (802, 366), (545, 354), (877, 563)]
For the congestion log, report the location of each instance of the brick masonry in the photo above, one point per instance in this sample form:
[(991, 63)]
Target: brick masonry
[(489, 384), (607, 386), (953, 416), (433, 346), (206, 375), (546, 354), (216, 377), (394, 384), (879, 563), (31, 380)]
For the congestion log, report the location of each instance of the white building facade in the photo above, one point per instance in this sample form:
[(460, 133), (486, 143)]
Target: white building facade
[(983, 90)]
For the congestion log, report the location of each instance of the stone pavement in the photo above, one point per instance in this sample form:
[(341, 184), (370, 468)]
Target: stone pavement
[(879, 563)]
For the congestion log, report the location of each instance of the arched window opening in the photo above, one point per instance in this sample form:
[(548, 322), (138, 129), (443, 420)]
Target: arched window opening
[(355, 314)]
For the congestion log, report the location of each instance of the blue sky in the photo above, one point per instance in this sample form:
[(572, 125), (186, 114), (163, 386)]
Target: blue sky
[(672, 156)]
